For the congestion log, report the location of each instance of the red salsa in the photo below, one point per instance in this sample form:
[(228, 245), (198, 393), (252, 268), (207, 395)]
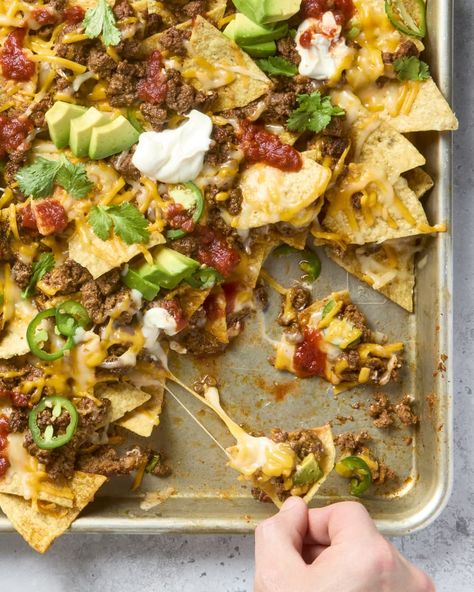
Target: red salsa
[(179, 217), (262, 146), (43, 16), (308, 359), (4, 429), (50, 216), (15, 64), (17, 399), (13, 132), (215, 252), (154, 88), (74, 15), (27, 218), (343, 10), (231, 289), (175, 310)]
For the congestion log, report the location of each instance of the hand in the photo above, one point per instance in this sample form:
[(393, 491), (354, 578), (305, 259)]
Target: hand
[(336, 548)]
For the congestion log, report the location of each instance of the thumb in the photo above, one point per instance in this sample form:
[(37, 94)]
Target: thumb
[(279, 540)]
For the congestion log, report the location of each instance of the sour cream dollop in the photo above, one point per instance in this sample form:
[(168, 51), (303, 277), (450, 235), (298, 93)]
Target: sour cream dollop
[(175, 155), (320, 47), (156, 320)]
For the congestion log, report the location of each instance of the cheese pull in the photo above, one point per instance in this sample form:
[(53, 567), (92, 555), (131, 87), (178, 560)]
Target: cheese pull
[(251, 454)]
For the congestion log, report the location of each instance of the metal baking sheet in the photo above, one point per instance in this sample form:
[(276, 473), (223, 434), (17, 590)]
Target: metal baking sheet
[(208, 497)]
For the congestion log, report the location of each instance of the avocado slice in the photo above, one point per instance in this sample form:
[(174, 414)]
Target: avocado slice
[(59, 118), (268, 11), (261, 50), (168, 269), (308, 471), (111, 138), (245, 32), (81, 130), (134, 281)]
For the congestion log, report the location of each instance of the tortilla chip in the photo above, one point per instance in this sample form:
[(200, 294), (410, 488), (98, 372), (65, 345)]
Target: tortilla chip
[(375, 142), (388, 268), (190, 299), (392, 152), (48, 491), (145, 418), (429, 111), (326, 465), (270, 195), (99, 256), (13, 340), (215, 13), (250, 264), (123, 396), (396, 212), (41, 529), (209, 44), (419, 181)]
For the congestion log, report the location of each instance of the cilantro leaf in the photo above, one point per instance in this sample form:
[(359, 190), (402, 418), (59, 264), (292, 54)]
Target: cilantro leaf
[(44, 264), (128, 222), (100, 221), (100, 20), (73, 178), (277, 66), (314, 113), (411, 68), (37, 179)]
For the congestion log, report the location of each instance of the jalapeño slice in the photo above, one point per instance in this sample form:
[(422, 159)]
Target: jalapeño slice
[(310, 263), (408, 16), (198, 210), (358, 471), (69, 316), (46, 439), (37, 336)]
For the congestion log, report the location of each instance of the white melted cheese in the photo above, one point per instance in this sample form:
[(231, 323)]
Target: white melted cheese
[(327, 52), (175, 155), (251, 453), (155, 321)]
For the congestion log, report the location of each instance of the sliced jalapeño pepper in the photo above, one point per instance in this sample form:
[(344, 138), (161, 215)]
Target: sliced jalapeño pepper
[(408, 16), (198, 210), (46, 439), (37, 336), (310, 264), (69, 316), (358, 471)]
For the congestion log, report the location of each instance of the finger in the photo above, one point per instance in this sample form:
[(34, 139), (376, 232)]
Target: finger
[(312, 552), (344, 521), (279, 540)]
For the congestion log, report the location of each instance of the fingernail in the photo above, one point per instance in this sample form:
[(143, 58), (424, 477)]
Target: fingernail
[(290, 503)]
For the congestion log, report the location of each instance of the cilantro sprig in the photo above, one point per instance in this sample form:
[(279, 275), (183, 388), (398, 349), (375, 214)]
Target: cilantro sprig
[(100, 20), (277, 66), (126, 220), (41, 267), (314, 113), (411, 68), (37, 179)]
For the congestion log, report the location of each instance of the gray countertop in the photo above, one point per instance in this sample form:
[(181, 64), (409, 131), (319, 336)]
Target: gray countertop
[(225, 563)]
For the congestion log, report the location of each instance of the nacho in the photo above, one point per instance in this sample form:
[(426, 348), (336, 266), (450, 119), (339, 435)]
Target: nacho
[(123, 398), (365, 208), (143, 420), (419, 182), (338, 346), (388, 267), (41, 528), (99, 256), (271, 195), (276, 465), (246, 82)]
